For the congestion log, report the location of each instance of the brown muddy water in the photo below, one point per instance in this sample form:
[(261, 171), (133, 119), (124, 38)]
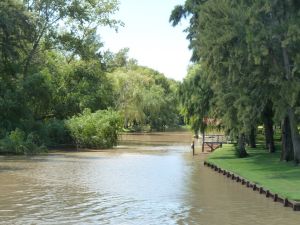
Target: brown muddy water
[(148, 179)]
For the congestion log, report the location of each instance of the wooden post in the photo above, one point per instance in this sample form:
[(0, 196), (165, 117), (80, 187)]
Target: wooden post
[(193, 147), (275, 197), (203, 140)]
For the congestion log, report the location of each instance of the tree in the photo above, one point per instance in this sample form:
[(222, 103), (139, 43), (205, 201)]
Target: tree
[(276, 30), (196, 96), (144, 97), (50, 64), (15, 34), (77, 35), (250, 51), (79, 85)]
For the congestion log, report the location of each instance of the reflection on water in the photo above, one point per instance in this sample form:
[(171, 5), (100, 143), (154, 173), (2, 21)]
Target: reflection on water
[(147, 179)]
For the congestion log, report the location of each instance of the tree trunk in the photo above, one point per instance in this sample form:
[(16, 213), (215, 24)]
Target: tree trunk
[(294, 134), (287, 65), (287, 152), (33, 50), (126, 123), (269, 133), (240, 149), (252, 138), (268, 127), (290, 113)]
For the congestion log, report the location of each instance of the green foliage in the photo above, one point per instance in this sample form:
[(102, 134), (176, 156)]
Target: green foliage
[(81, 85), (95, 130), (70, 26), (112, 61), (190, 10), (50, 67), (17, 142), (195, 95), (145, 97), (56, 132), (16, 32), (38, 93), (249, 51)]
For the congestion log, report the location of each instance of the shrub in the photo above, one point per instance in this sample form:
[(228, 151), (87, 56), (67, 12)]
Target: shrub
[(51, 132), (95, 130), (56, 132), (17, 142)]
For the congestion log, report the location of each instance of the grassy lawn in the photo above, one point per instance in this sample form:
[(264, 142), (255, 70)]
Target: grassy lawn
[(262, 168)]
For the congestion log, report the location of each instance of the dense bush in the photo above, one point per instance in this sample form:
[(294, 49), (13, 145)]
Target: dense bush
[(18, 142), (95, 130), (50, 132), (56, 133)]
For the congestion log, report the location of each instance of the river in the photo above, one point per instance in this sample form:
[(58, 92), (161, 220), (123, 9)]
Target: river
[(148, 179)]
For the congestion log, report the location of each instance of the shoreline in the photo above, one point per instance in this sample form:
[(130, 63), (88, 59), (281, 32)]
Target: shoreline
[(295, 205), (260, 171)]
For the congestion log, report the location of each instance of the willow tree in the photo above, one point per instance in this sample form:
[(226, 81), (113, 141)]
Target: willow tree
[(195, 96), (144, 97)]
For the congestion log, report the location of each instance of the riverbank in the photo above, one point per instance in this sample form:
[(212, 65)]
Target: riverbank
[(261, 168), (147, 129)]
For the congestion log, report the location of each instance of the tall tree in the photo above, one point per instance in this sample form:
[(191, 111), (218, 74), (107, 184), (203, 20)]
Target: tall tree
[(144, 97), (196, 95), (70, 25), (16, 32), (275, 28), (38, 38), (219, 31)]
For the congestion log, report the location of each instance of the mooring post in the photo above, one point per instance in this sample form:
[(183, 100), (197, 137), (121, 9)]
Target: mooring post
[(193, 147), (203, 140)]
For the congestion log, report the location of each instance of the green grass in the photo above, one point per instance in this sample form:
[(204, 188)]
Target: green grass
[(262, 168)]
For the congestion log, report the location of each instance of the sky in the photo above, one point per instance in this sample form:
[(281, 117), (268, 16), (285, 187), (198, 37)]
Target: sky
[(152, 40)]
